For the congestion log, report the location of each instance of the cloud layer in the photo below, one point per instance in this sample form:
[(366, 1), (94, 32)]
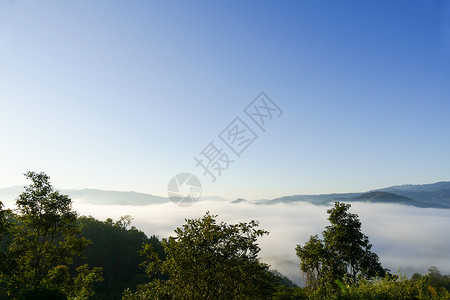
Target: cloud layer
[(409, 238)]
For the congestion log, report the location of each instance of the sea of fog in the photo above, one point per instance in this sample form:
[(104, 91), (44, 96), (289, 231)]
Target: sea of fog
[(407, 238)]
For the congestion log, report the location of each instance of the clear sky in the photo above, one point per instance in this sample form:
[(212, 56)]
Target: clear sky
[(121, 95)]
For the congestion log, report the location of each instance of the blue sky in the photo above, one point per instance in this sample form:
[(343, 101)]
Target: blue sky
[(122, 95)]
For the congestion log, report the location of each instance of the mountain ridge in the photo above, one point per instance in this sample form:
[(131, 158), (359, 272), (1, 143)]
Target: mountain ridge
[(434, 195)]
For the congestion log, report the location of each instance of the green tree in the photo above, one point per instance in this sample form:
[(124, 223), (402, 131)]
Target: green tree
[(4, 228), (435, 280), (286, 289), (44, 237), (207, 260), (4, 225), (344, 253), (115, 248), (396, 287), (313, 256), (79, 287)]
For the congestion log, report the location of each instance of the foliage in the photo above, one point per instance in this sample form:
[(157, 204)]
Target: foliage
[(436, 280), (115, 248), (42, 293), (80, 287), (391, 288), (282, 280), (289, 293), (4, 228), (44, 239), (207, 260), (4, 225), (343, 254)]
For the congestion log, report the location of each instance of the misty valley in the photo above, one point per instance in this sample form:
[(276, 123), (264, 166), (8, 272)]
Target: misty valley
[(56, 246)]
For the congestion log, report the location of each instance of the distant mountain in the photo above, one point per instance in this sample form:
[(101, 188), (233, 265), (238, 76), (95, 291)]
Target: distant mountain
[(436, 195), (386, 197), (240, 200), (101, 197), (10, 193), (432, 187), (322, 199), (93, 196)]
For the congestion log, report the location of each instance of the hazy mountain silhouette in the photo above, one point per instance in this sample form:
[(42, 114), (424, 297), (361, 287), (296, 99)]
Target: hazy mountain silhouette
[(436, 195), (386, 197), (101, 197), (240, 200), (94, 196)]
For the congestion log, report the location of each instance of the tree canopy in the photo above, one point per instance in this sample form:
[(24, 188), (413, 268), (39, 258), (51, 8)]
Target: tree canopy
[(344, 253), (115, 248), (208, 260), (4, 227), (44, 242)]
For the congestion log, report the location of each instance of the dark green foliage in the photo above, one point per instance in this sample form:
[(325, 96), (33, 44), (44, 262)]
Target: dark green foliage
[(397, 287), (289, 293), (206, 260), (42, 294), (343, 254), (45, 234), (4, 228), (115, 248), (4, 225), (44, 241), (282, 280), (434, 279), (348, 247)]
